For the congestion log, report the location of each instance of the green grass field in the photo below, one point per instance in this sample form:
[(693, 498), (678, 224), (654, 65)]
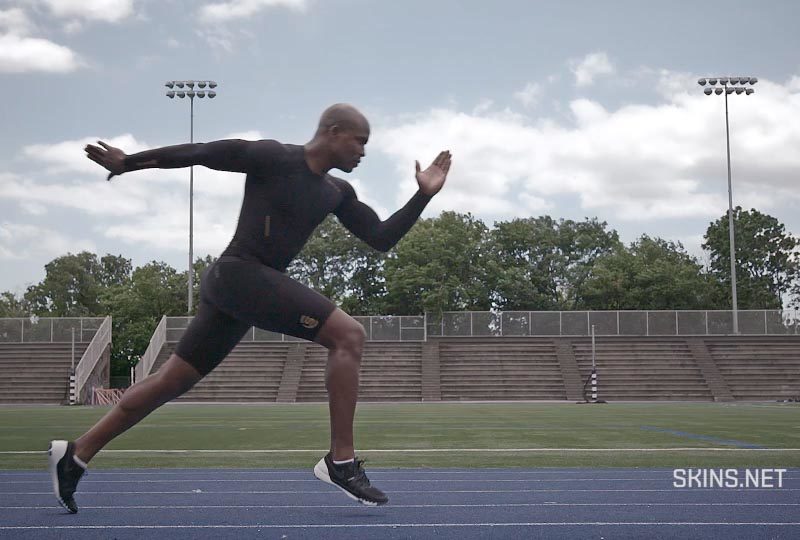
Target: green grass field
[(428, 435)]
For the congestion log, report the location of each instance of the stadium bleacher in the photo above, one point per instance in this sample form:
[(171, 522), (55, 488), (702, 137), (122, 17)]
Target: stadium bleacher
[(36, 372), (630, 368), (650, 368), (758, 368), (503, 369)]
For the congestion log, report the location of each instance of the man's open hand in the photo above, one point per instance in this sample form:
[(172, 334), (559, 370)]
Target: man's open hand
[(432, 179), (112, 159)]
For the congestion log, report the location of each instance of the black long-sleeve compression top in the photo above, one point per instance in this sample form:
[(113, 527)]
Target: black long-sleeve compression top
[(284, 200)]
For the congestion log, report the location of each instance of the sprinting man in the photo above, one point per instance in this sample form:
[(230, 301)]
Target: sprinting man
[(288, 192)]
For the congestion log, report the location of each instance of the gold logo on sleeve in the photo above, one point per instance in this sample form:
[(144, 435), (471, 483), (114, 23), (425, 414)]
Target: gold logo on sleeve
[(308, 322)]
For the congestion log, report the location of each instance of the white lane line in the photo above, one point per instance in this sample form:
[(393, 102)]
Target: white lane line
[(390, 507), (478, 478), (423, 525), (429, 450), (377, 471), (418, 492)]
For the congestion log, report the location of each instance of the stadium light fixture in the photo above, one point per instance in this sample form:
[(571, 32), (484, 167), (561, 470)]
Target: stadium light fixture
[(727, 90), (191, 93)]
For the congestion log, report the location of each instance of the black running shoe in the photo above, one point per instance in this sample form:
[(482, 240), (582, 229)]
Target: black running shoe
[(350, 478), (65, 473)]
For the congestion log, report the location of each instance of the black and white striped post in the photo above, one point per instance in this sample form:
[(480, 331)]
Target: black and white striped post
[(594, 370), (72, 397)]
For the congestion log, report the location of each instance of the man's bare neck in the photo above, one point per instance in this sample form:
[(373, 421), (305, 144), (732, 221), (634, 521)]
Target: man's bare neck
[(316, 158)]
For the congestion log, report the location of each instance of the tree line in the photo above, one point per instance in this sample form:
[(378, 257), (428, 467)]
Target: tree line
[(453, 262)]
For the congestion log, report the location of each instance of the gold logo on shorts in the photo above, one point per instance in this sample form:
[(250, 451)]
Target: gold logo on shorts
[(308, 322)]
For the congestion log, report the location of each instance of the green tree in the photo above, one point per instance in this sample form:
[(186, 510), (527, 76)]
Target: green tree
[(767, 264), (366, 287), (651, 274), (154, 290), (114, 270), (541, 264), (70, 287), (13, 306), (324, 263), (524, 263), (581, 243), (200, 265), (340, 266), (440, 265)]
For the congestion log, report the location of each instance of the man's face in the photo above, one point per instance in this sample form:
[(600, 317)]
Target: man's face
[(349, 146)]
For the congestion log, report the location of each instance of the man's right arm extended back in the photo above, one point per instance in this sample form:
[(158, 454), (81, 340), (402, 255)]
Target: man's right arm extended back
[(234, 155)]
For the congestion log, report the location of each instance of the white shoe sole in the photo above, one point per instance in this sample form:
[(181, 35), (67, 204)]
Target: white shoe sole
[(321, 472), (54, 454)]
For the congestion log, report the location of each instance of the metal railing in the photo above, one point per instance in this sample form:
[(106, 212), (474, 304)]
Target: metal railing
[(378, 328), (611, 323), (48, 329), (147, 360), (91, 356)]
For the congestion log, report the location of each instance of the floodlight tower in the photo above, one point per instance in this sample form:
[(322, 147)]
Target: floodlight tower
[(191, 93), (727, 86)]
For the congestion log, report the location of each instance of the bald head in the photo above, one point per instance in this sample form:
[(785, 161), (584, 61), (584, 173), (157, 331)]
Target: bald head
[(344, 116), (340, 139)]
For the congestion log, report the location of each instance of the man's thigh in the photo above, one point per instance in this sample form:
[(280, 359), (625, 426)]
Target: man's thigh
[(210, 337), (263, 297)]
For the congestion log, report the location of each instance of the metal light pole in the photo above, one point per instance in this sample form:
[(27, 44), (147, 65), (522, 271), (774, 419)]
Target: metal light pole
[(191, 94), (729, 85)]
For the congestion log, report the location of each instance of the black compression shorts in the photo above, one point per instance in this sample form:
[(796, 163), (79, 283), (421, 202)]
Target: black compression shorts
[(236, 294)]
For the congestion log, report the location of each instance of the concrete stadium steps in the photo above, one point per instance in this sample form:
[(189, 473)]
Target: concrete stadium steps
[(36, 372), (525, 368), (643, 369), (758, 369), (251, 372), (389, 372), (500, 369)]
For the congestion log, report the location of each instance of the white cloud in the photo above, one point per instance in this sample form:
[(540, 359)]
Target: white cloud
[(20, 241), (639, 162), (33, 208), (69, 156), (20, 53), (485, 105), (166, 225), (365, 195), (93, 198), (148, 207), (636, 163), (530, 95), (251, 135), (590, 67), (73, 27), (91, 10), (239, 9), (23, 54), (15, 21)]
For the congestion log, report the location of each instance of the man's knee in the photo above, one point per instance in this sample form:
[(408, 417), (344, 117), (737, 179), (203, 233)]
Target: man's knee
[(342, 332), (352, 338)]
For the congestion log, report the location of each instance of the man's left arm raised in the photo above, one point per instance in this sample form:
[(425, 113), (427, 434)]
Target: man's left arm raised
[(363, 222)]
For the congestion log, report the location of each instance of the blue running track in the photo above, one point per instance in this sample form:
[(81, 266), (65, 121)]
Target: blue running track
[(448, 504)]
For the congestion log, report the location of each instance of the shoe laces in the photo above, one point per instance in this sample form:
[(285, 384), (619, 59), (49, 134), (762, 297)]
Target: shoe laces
[(74, 474), (360, 475)]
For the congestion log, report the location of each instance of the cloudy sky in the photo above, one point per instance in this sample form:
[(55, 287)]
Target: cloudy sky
[(571, 108)]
